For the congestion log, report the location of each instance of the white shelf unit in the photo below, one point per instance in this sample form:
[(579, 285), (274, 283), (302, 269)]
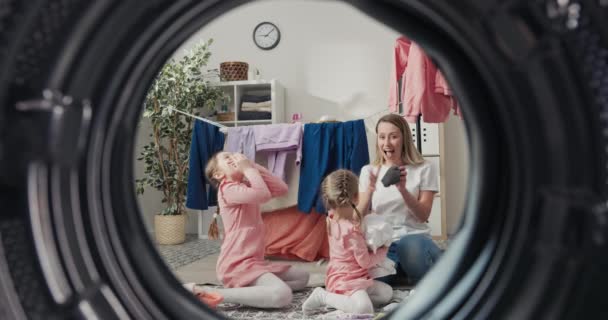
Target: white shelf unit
[(236, 89)]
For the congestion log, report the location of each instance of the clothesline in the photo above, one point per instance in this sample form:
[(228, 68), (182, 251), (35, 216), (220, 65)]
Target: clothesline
[(224, 128), (221, 126)]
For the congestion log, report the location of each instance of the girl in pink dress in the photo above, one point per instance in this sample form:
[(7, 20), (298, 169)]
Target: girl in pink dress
[(349, 286), (248, 279)]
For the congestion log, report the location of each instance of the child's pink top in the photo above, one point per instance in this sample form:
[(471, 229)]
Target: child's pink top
[(241, 259), (349, 258)]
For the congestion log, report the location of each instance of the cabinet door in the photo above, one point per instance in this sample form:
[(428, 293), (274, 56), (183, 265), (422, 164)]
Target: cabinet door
[(435, 218), (430, 138), (434, 160), (414, 134)]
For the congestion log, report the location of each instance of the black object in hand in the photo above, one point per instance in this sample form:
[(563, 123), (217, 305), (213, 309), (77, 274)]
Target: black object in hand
[(392, 176)]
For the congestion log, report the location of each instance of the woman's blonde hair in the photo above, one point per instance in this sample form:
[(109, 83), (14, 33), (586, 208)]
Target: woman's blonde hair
[(409, 153), (210, 170), (341, 189)]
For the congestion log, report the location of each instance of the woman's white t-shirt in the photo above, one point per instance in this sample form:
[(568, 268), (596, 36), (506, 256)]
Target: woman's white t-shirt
[(388, 202)]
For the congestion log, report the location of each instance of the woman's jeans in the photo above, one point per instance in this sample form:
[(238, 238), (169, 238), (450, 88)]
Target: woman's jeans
[(414, 255)]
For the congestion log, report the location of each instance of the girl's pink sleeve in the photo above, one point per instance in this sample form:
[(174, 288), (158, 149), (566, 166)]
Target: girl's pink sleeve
[(355, 243), (239, 193), (276, 185)]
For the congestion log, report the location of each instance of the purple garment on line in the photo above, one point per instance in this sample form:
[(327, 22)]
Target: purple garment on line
[(277, 140), (241, 139)]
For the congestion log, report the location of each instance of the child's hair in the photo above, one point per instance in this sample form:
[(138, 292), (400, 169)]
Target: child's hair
[(340, 189), (210, 170)]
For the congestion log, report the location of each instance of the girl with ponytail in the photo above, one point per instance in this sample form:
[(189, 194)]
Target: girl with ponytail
[(349, 286)]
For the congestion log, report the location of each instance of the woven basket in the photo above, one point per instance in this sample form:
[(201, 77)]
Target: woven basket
[(226, 116), (233, 71), (170, 229)]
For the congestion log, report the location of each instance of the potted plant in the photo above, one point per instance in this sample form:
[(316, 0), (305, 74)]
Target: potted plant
[(179, 85)]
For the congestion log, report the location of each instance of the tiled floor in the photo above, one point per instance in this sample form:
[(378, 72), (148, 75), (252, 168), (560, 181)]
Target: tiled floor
[(193, 249)]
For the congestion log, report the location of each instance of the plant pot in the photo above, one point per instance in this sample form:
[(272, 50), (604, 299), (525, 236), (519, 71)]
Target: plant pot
[(170, 229)]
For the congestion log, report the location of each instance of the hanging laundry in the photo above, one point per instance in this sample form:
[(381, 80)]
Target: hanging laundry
[(327, 147), (423, 87), (400, 56), (292, 234), (277, 140), (206, 140), (241, 140)]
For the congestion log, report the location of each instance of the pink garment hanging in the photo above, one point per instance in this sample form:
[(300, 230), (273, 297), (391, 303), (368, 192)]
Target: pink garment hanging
[(423, 87), (401, 52)]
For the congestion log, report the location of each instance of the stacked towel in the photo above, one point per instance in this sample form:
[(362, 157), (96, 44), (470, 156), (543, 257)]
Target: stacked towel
[(255, 107)]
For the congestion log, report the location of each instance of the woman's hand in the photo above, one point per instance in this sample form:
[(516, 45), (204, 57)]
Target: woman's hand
[(373, 178), (402, 179)]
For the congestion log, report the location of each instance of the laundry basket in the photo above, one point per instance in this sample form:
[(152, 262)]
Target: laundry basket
[(233, 71)]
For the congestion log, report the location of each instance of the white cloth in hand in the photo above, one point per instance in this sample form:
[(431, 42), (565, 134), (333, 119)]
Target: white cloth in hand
[(378, 232)]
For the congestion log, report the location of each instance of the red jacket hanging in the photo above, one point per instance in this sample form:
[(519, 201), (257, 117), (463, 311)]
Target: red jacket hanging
[(423, 87)]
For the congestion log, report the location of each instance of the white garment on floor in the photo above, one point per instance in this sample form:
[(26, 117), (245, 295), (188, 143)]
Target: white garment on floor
[(385, 268), (400, 295), (400, 298)]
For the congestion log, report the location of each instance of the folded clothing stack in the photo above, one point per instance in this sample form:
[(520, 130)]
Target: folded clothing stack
[(254, 107)]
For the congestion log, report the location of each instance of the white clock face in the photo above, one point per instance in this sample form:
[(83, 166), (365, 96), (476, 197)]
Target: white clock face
[(266, 35)]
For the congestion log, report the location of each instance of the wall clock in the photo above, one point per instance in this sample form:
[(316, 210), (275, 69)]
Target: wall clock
[(266, 35)]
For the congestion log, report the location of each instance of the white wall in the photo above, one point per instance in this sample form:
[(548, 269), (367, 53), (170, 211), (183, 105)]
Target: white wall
[(456, 171), (332, 59)]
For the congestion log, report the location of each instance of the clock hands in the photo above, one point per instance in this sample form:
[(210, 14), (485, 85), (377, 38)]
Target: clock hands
[(266, 35)]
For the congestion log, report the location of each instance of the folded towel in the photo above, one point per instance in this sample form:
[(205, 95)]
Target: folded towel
[(263, 104), (260, 109), (255, 98), (254, 115)]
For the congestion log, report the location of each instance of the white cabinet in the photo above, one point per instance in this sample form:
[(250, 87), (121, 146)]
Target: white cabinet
[(435, 160), (414, 132), (435, 220), (429, 137), (429, 134), (235, 90), (431, 146)]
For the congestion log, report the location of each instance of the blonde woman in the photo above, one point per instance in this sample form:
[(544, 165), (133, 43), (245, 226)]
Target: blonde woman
[(407, 204)]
